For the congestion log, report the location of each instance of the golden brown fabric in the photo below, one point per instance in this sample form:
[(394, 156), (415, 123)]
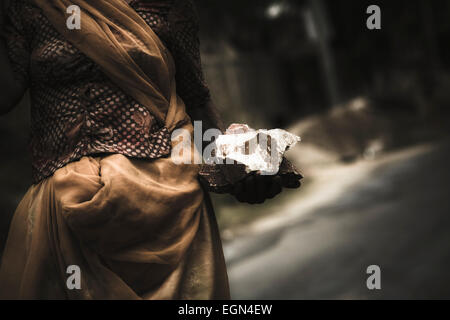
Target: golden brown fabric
[(136, 228)]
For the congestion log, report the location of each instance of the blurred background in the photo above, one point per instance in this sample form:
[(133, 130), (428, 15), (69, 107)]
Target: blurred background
[(372, 109)]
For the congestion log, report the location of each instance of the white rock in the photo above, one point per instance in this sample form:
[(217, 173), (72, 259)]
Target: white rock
[(259, 150)]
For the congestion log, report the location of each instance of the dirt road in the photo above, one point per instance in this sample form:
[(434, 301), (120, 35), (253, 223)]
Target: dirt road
[(393, 212)]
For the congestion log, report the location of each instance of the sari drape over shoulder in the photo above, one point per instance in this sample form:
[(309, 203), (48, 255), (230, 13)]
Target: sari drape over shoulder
[(137, 229)]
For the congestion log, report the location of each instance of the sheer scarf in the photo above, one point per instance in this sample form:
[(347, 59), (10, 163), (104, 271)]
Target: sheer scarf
[(115, 37)]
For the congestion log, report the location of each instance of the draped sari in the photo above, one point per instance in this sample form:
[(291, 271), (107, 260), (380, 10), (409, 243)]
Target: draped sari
[(136, 229)]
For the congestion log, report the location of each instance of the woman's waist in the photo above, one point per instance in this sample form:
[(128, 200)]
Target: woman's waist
[(51, 152)]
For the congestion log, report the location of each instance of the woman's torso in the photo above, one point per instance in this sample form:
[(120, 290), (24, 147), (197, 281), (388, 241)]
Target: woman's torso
[(76, 110)]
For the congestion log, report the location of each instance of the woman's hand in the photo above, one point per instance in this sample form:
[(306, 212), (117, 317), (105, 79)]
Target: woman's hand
[(255, 189)]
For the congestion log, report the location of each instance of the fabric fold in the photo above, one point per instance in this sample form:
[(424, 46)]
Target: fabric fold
[(137, 229)]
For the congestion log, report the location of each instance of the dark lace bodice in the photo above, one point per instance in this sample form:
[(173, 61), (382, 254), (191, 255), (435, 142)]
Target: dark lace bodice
[(75, 109)]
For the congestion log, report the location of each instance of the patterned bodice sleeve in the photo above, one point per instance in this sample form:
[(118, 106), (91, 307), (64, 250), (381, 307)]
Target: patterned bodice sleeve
[(17, 40), (185, 48)]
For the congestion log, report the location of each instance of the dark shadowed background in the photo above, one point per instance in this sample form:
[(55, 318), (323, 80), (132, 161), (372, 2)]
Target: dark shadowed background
[(372, 108)]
